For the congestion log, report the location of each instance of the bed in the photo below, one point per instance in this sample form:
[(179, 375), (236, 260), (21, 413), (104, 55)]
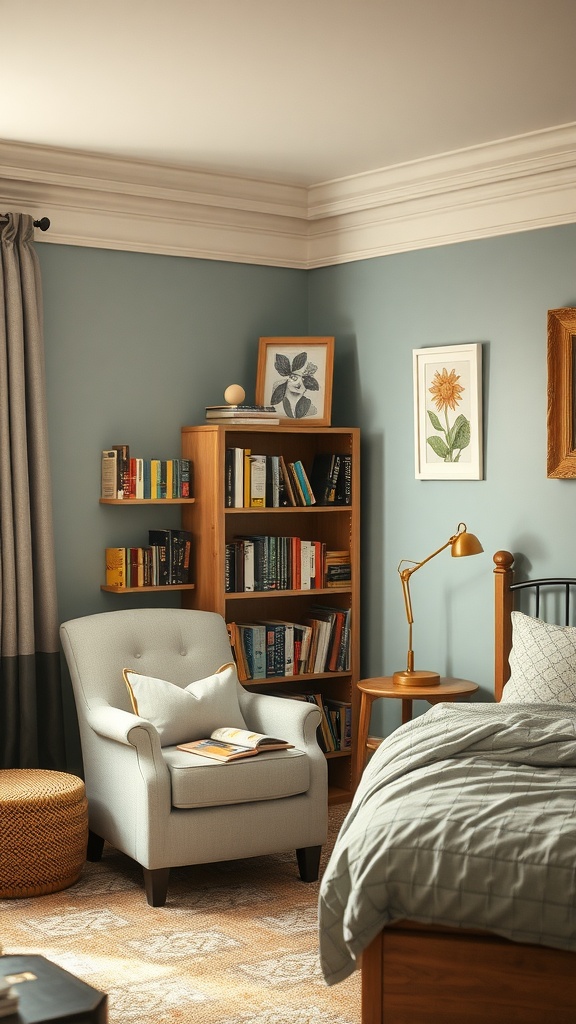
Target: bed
[(452, 881)]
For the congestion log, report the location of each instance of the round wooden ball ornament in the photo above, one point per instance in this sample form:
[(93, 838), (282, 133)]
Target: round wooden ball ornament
[(234, 394)]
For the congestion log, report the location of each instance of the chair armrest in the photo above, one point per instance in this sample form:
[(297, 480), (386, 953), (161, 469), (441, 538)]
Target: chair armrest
[(126, 746), (115, 724), (293, 720)]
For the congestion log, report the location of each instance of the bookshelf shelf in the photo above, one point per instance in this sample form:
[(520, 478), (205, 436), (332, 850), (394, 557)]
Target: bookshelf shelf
[(289, 509), (214, 525), (147, 501), (143, 590), (257, 595), (302, 678)]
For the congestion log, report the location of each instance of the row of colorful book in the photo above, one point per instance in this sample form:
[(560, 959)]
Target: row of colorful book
[(164, 561), (263, 563), (270, 481), (276, 647), (125, 476)]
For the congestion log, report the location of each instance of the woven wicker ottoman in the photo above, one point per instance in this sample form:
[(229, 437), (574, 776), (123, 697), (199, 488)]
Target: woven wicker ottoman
[(43, 831)]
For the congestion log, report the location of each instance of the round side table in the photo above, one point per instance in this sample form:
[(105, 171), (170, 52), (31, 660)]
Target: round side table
[(448, 689)]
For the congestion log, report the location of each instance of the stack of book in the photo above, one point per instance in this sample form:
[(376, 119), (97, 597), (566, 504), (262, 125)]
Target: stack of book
[(254, 414), (337, 569)]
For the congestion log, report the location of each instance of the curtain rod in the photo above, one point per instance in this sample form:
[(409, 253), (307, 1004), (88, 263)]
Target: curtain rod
[(43, 223)]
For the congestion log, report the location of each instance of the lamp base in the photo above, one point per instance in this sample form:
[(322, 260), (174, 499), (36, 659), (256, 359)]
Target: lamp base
[(412, 678)]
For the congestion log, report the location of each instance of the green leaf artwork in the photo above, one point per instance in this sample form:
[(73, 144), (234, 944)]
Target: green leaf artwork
[(450, 440)]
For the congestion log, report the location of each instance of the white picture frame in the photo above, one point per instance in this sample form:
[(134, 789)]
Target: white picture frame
[(448, 412)]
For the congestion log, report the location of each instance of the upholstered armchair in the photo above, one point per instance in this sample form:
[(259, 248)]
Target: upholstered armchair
[(165, 807)]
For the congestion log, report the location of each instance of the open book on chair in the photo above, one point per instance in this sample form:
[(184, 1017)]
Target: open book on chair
[(227, 744)]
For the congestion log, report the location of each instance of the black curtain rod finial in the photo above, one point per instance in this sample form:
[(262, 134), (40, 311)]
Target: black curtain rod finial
[(43, 224)]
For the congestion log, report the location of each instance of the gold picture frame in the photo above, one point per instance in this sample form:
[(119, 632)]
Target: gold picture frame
[(295, 376), (561, 412)]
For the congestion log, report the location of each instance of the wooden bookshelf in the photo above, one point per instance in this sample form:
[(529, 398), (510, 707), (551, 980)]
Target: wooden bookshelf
[(213, 525)]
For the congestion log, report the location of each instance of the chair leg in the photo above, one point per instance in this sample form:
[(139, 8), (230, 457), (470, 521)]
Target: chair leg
[(95, 846), (156, 885), (309, 863)]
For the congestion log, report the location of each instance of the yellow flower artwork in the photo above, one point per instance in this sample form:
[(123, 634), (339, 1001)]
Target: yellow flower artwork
[(450, 440)]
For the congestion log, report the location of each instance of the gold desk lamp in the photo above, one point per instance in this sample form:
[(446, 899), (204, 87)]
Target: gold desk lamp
[(462, 543)]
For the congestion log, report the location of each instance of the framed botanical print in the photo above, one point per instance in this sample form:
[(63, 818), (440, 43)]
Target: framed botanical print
[(295, 376), (448, 412)]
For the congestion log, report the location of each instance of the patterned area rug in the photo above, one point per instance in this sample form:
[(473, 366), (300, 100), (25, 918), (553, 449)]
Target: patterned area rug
[(236, 942)]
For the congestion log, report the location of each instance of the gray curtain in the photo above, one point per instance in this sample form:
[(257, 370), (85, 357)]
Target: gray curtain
[(31, 719)]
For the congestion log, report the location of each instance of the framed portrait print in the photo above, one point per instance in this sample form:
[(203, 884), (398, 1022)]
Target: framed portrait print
[(295, 376), (448, 412)]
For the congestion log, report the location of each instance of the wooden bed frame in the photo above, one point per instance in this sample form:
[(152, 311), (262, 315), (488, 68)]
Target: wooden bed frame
[(420, 974)]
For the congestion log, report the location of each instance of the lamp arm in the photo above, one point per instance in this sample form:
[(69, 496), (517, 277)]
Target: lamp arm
[(405, 575)]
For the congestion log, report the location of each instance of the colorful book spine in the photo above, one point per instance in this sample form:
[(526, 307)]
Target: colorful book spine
[(160, 539), (257, 470), (185, 478), (123, 470), (115, 567), (344, 483), (109, 474)]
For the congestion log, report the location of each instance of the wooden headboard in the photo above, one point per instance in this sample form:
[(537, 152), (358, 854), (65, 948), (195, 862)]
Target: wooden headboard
[(505, 590)]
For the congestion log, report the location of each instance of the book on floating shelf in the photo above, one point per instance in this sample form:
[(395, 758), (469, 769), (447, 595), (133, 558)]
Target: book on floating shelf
[(109, 474), (228, 744), (116, 567), (127, 477), (123, 470)]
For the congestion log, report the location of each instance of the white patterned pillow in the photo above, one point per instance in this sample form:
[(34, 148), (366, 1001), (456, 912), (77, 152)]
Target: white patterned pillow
[(542, 663), (186, 713)]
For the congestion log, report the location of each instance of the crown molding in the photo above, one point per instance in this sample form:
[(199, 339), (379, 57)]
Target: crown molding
[(505, 186)]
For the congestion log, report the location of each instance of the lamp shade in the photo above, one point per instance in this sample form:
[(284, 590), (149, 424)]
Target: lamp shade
[(465, 544)]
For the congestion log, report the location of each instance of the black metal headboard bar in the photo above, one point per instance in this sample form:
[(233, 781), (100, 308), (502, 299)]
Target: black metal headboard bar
[(538, 585)]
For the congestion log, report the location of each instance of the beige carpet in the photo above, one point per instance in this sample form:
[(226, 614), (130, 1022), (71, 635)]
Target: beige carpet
[(236, 942)]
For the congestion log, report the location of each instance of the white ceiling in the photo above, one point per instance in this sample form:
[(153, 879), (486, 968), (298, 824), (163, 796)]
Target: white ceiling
[(291, 91)]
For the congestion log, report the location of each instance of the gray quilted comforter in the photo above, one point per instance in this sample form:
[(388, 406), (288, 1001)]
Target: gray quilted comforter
[(464, 817)]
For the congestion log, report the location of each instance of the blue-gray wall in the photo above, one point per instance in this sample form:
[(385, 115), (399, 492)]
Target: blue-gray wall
[(137, 345), (494, 291)]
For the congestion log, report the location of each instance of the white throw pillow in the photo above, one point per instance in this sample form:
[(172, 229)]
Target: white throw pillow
[(542, 663), (186, 713)]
